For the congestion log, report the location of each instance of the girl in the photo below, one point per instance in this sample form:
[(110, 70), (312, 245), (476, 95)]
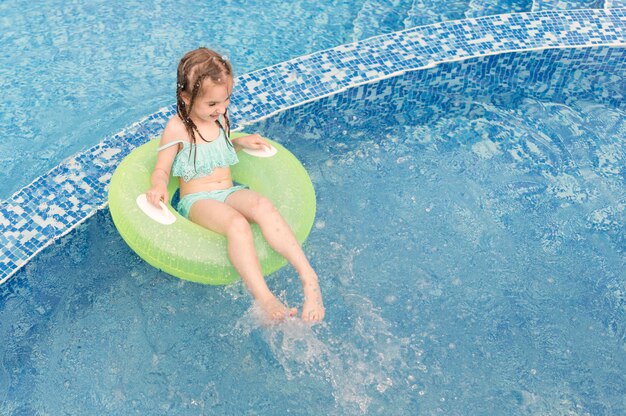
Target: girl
[(196, 147)]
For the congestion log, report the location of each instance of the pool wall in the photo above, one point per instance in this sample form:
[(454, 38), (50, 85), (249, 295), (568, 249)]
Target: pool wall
[(57, 202), (423, 98)]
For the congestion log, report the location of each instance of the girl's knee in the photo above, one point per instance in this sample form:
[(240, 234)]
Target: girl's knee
[(238, 225), (264, 207)]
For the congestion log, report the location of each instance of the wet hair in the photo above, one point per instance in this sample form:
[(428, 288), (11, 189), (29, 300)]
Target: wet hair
[(195, 67)]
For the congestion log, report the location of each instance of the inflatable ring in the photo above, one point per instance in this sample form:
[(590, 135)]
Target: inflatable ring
[(189, 251)]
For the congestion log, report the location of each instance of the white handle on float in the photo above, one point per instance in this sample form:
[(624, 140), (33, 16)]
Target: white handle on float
[(266, 151), (162, 215)]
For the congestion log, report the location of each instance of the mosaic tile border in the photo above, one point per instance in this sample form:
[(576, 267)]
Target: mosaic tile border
[(57, 202)]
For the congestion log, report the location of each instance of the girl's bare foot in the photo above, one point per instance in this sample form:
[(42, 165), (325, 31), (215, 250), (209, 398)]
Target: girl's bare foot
[(313, 307), (275, 310)]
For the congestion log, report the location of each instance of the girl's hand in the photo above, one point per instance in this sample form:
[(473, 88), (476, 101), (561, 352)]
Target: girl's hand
[(157, 193), (252, 141)]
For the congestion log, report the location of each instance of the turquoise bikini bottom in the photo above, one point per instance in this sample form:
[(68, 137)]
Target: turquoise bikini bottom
[(184, 205)]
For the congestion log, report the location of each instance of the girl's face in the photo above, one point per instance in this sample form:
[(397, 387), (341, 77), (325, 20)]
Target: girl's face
[(212, 101)]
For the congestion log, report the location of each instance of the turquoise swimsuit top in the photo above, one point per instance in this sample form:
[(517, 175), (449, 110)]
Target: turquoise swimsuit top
[(218, 153)]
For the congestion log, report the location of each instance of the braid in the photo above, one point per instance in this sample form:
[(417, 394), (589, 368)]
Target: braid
[(227, 129)]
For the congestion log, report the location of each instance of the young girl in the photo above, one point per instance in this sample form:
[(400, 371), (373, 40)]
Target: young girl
[(196, 147)]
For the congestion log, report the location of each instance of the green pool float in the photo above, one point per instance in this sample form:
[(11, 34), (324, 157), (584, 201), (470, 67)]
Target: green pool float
[(172, 243)]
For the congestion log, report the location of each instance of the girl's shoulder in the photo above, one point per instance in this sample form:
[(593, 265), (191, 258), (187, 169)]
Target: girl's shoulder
[(174, 130)]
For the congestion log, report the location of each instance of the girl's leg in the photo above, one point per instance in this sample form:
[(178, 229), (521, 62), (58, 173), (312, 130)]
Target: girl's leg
[(276, 231), (221, 218)]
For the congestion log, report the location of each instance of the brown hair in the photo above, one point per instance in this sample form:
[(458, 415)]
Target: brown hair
[(195, 67)]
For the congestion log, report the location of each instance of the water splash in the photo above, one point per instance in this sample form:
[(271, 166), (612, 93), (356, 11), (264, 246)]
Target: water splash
[(360, 365)]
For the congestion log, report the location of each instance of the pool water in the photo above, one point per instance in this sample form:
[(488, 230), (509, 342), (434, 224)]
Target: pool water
[(471, 247)]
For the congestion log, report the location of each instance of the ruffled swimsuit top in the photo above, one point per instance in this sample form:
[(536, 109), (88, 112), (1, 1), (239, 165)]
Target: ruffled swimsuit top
[(199, 160)]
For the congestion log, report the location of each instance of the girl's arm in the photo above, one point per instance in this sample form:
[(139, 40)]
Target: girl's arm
[(161, 174)]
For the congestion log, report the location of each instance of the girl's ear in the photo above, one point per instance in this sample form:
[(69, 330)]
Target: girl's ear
[(186, 98)]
